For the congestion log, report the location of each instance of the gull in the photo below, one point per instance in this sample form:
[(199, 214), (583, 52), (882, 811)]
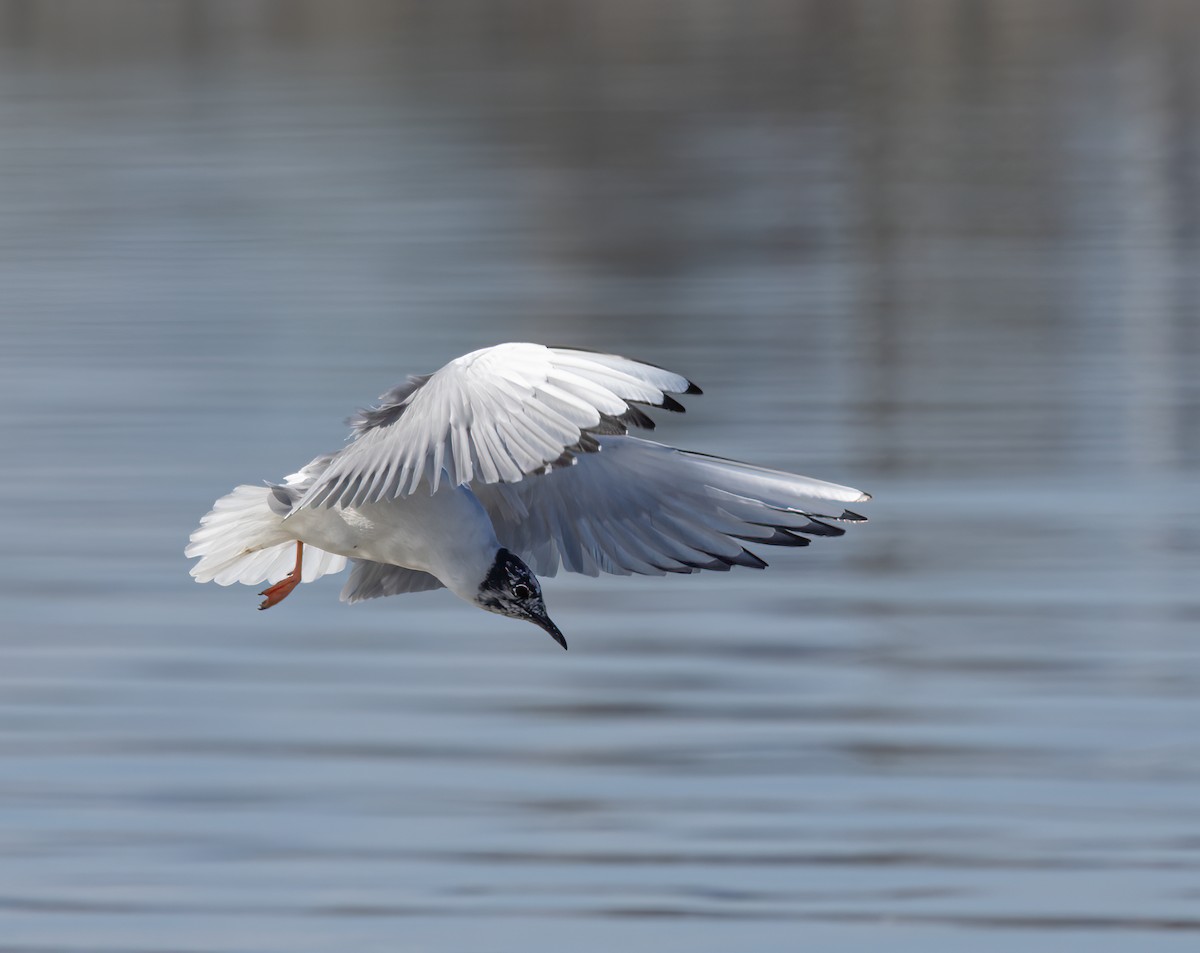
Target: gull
[(510, 462)]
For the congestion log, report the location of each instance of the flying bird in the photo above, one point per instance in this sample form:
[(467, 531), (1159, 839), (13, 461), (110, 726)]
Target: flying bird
[(510, 462)]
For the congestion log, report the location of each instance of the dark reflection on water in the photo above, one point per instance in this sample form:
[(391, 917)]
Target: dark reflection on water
[(944, 251)]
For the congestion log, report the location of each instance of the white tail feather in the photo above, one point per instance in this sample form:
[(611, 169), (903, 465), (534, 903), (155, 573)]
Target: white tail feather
[(242, 540)]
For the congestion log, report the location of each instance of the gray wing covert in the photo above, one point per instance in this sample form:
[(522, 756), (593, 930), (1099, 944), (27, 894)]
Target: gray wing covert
[(371, 580), (641, 507)]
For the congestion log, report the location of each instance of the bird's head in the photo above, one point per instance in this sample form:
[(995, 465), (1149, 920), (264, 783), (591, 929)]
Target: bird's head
[(510, 588)]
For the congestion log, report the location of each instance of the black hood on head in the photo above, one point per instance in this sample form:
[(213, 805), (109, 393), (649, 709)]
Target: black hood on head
[(507, 570), (510, 588)]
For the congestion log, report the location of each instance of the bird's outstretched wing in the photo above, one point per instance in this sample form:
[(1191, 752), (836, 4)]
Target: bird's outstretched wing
[(494, 415), (641, 507)]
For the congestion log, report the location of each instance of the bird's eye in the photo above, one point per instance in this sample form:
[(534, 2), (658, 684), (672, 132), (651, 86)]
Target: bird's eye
[(521, 591)]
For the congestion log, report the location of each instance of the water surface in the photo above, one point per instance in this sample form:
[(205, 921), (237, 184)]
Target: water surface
[(945, 252)]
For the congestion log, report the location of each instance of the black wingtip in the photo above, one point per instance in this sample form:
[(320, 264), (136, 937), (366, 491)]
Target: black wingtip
[(693, 389), (750, 560), (779, 537), (635, 417)]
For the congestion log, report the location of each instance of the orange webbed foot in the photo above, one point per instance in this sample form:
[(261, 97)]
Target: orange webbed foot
[(281, 590)]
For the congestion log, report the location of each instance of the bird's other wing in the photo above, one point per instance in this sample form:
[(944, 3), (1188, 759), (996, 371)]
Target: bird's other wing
[(641, 507), (369, 580), (494, 415)]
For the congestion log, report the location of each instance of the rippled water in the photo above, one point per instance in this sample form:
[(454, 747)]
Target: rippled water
[(946, 252)]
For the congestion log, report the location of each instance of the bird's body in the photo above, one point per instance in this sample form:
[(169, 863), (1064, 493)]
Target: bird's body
[(447, 535), (511, 460)]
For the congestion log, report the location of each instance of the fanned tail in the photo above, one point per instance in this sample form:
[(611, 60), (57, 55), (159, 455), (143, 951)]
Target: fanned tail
[(242, 540)]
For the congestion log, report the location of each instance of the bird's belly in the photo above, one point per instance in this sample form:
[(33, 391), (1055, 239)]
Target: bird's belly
[(418, 532), (347, 532)]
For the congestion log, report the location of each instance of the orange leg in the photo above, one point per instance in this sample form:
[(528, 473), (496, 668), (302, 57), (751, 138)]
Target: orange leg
[(277, 593)]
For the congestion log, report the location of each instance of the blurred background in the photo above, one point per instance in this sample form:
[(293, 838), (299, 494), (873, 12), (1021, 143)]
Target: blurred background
[(943, 251)]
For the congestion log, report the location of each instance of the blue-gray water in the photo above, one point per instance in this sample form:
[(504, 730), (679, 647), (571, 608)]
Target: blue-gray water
[(947, 252)]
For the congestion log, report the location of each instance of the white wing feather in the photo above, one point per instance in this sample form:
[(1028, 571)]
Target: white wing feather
[(492, 416)]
